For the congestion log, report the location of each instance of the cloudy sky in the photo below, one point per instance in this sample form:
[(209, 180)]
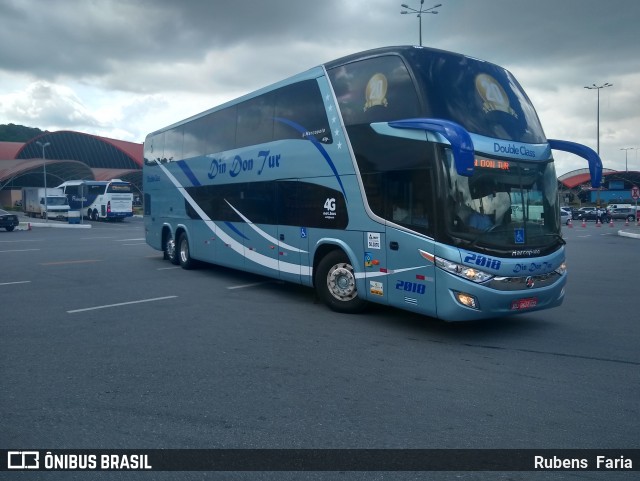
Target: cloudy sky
[(124, 68)]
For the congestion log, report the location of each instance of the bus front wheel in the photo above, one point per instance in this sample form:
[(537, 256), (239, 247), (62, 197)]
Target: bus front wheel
[(186, 262), (336, 283)]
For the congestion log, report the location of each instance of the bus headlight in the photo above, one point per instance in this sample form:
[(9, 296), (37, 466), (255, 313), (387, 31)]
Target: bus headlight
[(562, 268), (469, 273), (466, 299)]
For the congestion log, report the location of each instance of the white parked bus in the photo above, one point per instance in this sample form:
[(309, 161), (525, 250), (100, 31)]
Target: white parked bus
[(96, 200)]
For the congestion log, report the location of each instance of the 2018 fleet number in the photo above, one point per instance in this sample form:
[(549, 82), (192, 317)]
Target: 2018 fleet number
[(483, 261), (411, 287)]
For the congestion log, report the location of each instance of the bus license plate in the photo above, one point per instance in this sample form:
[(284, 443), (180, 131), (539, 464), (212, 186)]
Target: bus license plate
[(526, 303)]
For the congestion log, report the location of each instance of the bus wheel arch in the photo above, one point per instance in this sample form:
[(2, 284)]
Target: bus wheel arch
[(335, 281)]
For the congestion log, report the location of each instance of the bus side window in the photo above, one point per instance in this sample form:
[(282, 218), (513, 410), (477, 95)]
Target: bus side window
[(419, 216), (255, 120), (409, 199)]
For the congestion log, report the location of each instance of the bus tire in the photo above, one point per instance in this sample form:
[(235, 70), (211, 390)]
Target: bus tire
[(184, 257), (335, 283), (169, 249)]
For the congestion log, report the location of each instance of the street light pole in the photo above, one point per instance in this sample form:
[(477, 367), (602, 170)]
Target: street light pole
[(44, 169), (596, 87), (626, 165), (419, 13)]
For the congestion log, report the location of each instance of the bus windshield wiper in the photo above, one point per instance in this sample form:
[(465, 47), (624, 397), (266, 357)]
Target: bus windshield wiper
[(475, 241), (557, 236)]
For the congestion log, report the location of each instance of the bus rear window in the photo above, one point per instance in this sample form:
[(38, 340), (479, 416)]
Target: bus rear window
[(119, 188)]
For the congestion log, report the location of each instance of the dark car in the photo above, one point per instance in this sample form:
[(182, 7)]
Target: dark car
[(575, 213), (623, 213), (594, 214), (8, 221)]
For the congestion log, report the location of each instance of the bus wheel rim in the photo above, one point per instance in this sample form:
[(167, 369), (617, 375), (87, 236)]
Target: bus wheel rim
[(171, 248), (341, 282), (184, 251)]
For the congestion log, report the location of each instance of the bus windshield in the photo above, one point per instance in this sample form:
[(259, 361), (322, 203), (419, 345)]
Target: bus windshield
[(482, 97), (505, 206), (56, 200)]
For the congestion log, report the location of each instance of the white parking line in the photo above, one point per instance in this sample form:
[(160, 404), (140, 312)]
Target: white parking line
[(11, 283), (21, 250), (168, 268), (21, 241), (127, 240), (120, 304), (249, 285)]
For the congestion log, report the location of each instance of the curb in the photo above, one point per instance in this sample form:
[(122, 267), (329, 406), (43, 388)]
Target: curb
[(61, 225), (628, 234)]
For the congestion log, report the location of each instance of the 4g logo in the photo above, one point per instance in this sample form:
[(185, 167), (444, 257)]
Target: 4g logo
[(329, 208), (330, 204)]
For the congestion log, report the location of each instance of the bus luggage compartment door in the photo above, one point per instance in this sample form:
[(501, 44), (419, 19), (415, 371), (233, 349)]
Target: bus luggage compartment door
[(293, 252)]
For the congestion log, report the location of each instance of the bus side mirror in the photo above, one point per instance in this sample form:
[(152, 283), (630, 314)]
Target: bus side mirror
[(456, 134), (595, 163)]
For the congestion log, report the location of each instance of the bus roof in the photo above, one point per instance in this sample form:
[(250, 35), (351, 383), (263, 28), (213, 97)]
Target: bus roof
[(404, 50)]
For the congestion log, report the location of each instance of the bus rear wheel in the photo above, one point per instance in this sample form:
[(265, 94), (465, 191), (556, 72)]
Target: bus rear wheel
[(169, 250), (336, 283), (184, 257)]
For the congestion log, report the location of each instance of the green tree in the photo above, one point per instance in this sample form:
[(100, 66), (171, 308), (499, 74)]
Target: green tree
[(18, 133)]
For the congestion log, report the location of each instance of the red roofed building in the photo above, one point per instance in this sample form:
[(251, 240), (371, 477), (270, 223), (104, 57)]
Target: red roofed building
[(615, 186), (68, 156)]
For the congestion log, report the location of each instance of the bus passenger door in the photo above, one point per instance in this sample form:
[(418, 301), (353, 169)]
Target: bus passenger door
[(411, 212), (411, 279)]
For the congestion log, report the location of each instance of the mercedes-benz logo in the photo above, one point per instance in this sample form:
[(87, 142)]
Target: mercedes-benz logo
[(529, 282)]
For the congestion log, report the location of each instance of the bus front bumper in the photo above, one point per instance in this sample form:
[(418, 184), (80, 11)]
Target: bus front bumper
[(461, 300)]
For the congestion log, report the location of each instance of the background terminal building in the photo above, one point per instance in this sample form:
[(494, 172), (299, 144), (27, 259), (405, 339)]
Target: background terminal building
[(68, 156), (575, 188)]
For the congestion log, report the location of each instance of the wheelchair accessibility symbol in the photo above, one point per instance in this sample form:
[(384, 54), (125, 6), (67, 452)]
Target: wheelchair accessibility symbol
[(518, 236), (303, 232)]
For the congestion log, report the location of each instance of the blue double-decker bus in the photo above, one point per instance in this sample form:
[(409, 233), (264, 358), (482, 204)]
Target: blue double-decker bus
[(405, 176)]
